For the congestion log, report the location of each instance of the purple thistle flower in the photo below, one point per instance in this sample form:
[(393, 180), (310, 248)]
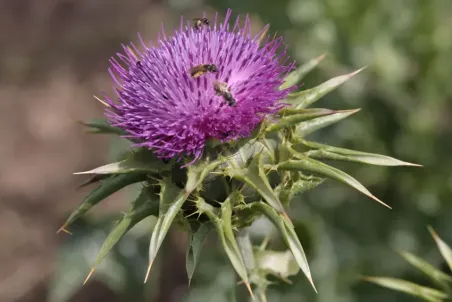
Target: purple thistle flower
[(164, 108)]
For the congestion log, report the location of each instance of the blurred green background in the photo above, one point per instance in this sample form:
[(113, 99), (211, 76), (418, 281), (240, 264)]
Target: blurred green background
[(54, 57)]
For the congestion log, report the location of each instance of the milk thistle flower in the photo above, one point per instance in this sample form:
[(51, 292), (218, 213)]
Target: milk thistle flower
[(166, 108), (205, 82)]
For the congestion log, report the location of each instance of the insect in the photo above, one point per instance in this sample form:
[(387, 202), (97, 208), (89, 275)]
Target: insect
[(222, 89), (199, 70), (199, 22)]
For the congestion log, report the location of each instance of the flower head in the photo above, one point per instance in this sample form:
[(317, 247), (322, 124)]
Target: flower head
[(206, 81)]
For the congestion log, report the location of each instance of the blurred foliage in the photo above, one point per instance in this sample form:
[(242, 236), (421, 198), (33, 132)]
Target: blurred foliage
[(405, 98), (437, 277)]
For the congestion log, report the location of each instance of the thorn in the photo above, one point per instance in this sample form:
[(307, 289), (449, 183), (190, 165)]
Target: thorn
[(194, 213), (248, 286), (379, 201), (405, 163), (433, 233), (63, 229), (286, 216), (357, 71), (264, 243), (148, 271), (89, 276), (102, 102), (368, 279), (84, 172), (189, 282), (321, 57), (352, 111), (312, 284)]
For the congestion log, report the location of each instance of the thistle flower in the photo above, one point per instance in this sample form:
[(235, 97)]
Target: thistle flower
[(170, 105), (166, 107)]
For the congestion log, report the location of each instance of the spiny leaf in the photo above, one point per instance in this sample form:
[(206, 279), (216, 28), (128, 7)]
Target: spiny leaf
[(240, 158), (171, 200), (426, 293), (106, 188), (335, 153), (143, 207), (199, 171), (103, 127), (141, 160), (296, 76), (307, 97), (226, 234), (444, 249), (295, 119), (195, 244), (312, 165), (426, 268), (288, 234), (305, 128), (93, 179), (294, 187), (254, 176), (234, 252)]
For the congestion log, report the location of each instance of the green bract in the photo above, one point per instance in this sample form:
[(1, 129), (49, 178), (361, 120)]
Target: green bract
[(229, 187), (439, 278)]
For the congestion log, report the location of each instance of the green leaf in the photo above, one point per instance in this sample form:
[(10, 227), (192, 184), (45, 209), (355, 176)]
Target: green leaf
[(240, 158), (106, 188), (254, 176), (199, 171), (288, 234), (141, 160), (102, 127), (195, 244), (93, 179), (280, 264), (246, 248), (74, 257), (426, 293), (314, 166), (335, 153), (294, 119), (226, 234), (307, 97), (425, 267), (143, 207), (171, 200), (313, 125), (293, 187), (444, 249), (296, 76)]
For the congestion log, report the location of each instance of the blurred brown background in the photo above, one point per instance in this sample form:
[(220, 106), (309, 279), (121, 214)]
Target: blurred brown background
[(53, 58)]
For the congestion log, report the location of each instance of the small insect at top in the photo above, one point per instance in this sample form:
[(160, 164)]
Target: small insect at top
[(199, 70), (199, 22)]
